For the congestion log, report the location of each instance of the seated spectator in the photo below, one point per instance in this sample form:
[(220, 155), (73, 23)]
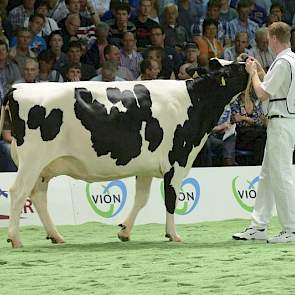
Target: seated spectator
[(261, 50), (55, 43), (240, 46), (46, 60), (31, 72), (258, 13), (246, 112), (227, 13), (144, 24), (154, 14), (22, 49), (95, 54), (191, 54), (157, 54), (129, 57), (18, 15), (170, 60), (175, 34), (109, 71), (112, 53), (271, 19), (221, 142), (243, 23), (6, 162), (88, 10), (9, 71), (213, 13), (120, 24), (72, 73), (149, 70), (74, 57), (183, 75), (57, 10), (277, 9), (208, 45)]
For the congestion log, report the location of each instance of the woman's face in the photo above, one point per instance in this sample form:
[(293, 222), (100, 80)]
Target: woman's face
[(210, 31)]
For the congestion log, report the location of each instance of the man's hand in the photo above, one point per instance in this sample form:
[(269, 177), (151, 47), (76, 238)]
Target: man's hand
[(251, 66)]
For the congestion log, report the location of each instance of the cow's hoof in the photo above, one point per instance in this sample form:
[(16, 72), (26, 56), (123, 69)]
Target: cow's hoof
[(55, 240), (123, 237), (15, 244), (174, 238)]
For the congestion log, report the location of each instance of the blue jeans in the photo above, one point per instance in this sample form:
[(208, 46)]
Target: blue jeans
[(6, 163)]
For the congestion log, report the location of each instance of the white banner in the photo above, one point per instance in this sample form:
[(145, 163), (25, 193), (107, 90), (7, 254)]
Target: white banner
[(207, 194)]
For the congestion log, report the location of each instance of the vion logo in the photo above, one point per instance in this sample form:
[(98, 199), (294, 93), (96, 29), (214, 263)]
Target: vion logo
[(245, 192), (188, 197), (107, 200)]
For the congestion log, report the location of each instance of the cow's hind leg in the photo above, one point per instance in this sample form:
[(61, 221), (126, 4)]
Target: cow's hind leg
[(19, 192), (172, 183), (143, 184), (39, 199)]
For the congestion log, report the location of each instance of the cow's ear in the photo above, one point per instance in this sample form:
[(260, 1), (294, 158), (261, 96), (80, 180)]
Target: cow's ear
[(214, 64)]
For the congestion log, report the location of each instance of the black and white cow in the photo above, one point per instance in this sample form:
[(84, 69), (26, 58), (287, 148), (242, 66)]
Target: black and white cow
[(97, 131)]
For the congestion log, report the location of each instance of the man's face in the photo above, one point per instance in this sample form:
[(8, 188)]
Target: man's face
[(31, 71), (114, 55), (122, 16), (214, 12), (74, 6), (145, 8), (244, 13), (74, 74), (43, 10), (56, 42), (157, 38), (107, 75), (170, 17), (262, 42), (192, 55), (24, 39), (3, 53), (72, 25), (277, 11), (36, 25), (128, 42), (241, 42), (74, 55)]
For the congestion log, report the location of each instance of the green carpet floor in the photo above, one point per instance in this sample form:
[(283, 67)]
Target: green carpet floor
[(94, 261)]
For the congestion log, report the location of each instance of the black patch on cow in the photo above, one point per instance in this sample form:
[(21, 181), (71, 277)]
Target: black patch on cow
[(118, 133), (18, 129), (49, 126), (208, 95), (170, 193)]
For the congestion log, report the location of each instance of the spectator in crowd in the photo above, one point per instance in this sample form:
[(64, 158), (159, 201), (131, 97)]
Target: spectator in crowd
[(86, 29), (18, 15), (227, 13), (246, 112), (73, 73), (171, 60), (22, 49), (6, 162), (149, 69), (50, 25), (95, 54), (101, 6), (261, 50), (87, 10), (120, 24), (208, 45), (183, 75), (6, 31), (191, 53), (74, 57), (292, 41), (70, 30), (9, 71), (213, 12), (271, 18), (31, 71), (57, 10), (109, 71), (144, 24), (289, 10), (277, 9), (258, 13), (154, 14), (242, 23), (109, 14), (240, 46), (112, 53), (129, 57), (175, 34), (46, 60), (55, 43)]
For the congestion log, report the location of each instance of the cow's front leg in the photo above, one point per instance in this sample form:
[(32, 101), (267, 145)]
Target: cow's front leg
[(171, 187), (39, 199), (143, 184)]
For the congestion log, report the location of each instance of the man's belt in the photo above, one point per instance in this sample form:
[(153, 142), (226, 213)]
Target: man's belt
[(275, 116)]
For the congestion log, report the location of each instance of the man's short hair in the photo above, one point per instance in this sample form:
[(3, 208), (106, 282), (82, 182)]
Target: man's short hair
[(75, 44), (39, 3), (281, 31), (35, 15), (214, 3), (243, 4), (157, 26)]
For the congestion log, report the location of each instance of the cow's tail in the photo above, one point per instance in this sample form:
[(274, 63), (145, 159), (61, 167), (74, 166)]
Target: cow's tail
[(4, 107)]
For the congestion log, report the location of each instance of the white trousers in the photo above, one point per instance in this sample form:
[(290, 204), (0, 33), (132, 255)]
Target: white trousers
[(277, 183)]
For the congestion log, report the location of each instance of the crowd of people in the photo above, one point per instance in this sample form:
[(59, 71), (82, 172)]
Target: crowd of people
[(117, 40)]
